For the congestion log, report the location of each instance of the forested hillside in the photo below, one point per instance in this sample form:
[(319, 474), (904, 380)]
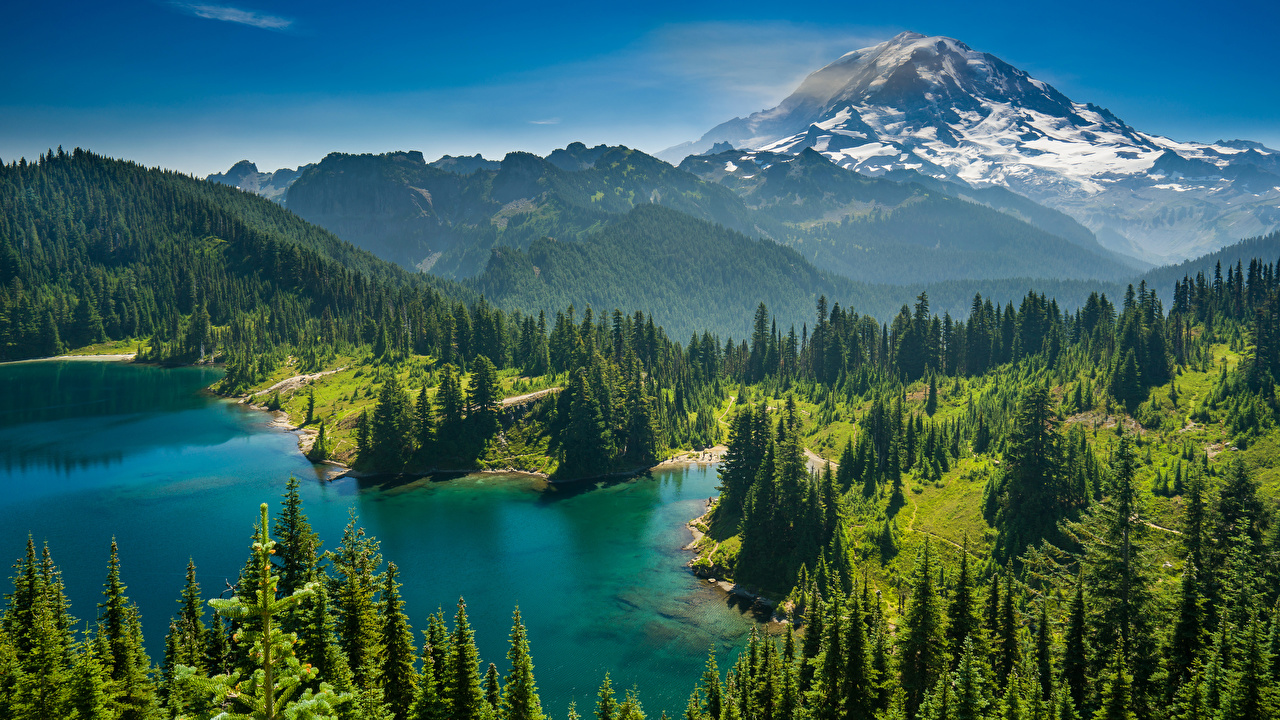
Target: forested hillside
[(446, 221), (1071, 515), (447, 217), (690, 274), (1028, 512)]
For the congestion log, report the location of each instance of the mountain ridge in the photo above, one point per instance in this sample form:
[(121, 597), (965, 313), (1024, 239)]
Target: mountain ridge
[(935, 106)]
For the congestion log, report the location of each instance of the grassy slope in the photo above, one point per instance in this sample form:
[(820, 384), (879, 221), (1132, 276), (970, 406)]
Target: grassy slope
[(950, 512)]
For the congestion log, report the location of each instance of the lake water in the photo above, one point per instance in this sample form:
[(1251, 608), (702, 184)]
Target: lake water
[(92, 450)]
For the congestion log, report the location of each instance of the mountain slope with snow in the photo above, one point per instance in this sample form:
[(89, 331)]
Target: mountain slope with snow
[(934, 106)]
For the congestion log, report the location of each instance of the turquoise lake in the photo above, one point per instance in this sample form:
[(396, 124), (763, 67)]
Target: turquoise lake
[(90, 450)]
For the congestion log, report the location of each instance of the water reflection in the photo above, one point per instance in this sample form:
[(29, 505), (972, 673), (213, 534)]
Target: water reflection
[(69, 417)]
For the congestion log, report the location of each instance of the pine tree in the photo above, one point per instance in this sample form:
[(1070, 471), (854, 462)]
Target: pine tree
[(962, 615), (275, 689), (390, 436), (921, 648), (1075, 656), (399, 679), (484, 396), (1117, 703), (972, 695), (492, 691), (466, 699), (1250, 691), (606, 704), (424, 421), (352, 590), (520, 691)]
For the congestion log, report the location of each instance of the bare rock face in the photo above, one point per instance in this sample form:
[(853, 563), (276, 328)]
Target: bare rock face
[(272, 185)]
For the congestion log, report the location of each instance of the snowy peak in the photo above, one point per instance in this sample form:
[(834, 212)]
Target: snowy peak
[(933, 105)]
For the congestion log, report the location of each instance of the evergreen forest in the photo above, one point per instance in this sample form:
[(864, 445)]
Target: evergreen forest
[(1024, 511)]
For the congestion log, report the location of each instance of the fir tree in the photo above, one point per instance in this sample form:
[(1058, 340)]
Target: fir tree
[(353, 588), (390, 435), (1044, 660), (275, 689), (299, 544), (424, 421), (429, 705), (972, 695), (89, 692), (398, 677), (962, 615), (484, 396), (492, 691), (1008, 650), (921, 649), (1116, 703), (466, 700), (520, 691), (711, 688), (606, 703), (1250, 690), (1075, 660)]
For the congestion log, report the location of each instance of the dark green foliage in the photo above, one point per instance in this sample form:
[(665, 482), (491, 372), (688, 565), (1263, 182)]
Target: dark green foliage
[(390, 432), (398, 677), (520, 691), (465, 695), (275, 690), (921, 648), (1034, 493)]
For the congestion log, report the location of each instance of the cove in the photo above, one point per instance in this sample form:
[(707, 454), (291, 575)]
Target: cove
[(92, 450)]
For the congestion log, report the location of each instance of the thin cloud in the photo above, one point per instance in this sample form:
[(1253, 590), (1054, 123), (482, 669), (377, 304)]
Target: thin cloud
[(548, 121), (235, 15)]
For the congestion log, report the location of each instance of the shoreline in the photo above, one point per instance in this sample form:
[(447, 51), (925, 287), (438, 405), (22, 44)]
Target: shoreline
[(108, 357), (729, 587)]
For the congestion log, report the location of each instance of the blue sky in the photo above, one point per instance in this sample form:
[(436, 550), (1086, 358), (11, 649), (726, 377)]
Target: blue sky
[(195, 86)]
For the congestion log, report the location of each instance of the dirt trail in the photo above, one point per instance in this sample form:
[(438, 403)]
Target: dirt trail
[(297, 381), (508, 402), (817, 463)]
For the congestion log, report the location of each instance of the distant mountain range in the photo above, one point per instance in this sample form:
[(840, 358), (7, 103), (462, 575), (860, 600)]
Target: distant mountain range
[(917, 163), (934, 107), (445, 216), (272, 185)]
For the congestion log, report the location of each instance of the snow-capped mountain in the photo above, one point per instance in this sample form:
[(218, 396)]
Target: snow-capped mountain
[(934, 106)]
